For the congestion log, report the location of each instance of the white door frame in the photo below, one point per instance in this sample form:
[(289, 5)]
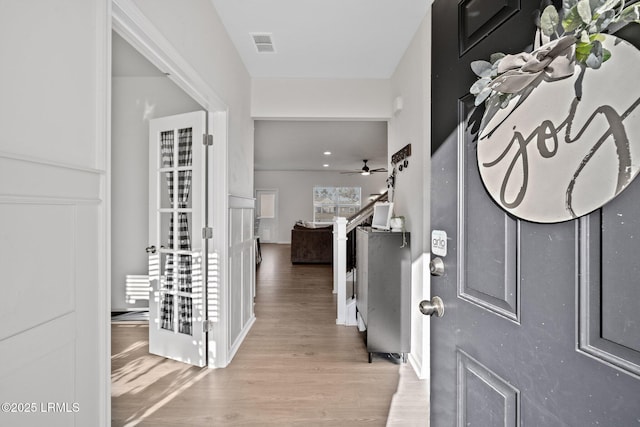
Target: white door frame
[(129, 22)]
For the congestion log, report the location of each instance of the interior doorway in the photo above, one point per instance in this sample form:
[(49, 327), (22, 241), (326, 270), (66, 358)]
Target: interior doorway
[(266, 227), (139, 92)]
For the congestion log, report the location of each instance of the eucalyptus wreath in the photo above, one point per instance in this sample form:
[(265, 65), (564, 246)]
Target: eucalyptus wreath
[(567, 37)]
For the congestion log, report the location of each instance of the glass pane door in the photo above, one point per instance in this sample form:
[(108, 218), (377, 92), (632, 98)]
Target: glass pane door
[(176, 203), (175, 212)]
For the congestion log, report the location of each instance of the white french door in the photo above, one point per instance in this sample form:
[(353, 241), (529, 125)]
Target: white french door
[(177, 233)]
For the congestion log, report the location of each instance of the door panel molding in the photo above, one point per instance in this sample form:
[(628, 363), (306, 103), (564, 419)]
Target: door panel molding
[(476, 20), (592, 254), (488, 280), (577, 330), (497, 399)]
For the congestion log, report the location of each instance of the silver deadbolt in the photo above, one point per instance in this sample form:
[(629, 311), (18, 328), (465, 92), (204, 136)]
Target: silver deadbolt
[(436, 266), (432, 307)]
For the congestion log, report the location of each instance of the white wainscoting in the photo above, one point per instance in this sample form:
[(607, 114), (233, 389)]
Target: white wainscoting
[(242, 267), (50, 308)]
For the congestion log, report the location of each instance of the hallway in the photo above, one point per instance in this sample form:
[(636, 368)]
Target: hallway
[(296, 366)]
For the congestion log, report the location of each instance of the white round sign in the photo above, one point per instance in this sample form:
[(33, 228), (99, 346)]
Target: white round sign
[(555, 157)]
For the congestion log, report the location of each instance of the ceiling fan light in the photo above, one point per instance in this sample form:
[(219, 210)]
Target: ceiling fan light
[(365, 173)]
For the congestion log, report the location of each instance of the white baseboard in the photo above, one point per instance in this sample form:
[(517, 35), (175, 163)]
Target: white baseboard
[(238, 342), (350, 315), (361, 326), (416, 364)]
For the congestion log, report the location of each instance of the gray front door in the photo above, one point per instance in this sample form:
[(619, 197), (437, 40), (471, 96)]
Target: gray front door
[(541, 322)]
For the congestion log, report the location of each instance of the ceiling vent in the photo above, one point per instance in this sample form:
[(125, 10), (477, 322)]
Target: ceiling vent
[(263, 42)]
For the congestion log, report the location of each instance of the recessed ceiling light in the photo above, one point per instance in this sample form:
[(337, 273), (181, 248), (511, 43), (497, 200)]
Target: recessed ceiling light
[(325, 165), (327, 153)]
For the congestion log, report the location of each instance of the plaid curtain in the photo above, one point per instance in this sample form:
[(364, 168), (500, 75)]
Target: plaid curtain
[(183, 270), (166, 300), (185, 305)]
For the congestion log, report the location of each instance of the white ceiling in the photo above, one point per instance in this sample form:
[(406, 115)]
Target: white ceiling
[(300, 145), (323, 38), (340, 39)]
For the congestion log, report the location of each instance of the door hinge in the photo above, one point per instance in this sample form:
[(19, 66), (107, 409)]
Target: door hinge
[(207, 139), (207, 326), (207, 232)]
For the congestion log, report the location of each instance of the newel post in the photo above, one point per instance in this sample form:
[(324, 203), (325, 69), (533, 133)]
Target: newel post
[(340, 267)]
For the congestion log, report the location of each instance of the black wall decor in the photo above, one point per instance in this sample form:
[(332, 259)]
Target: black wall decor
[(401, 155)]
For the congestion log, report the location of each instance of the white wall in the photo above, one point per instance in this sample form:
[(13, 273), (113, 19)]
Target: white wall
[(53, 203), (410, 81), (195, 30), (320, 98), (135, 100), (295, 192)]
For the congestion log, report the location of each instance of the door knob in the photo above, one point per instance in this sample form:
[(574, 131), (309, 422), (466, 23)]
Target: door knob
[(432, 307), (151, 249), (436, 266)]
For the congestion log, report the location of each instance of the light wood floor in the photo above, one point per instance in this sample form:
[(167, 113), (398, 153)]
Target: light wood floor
[(295, 368)]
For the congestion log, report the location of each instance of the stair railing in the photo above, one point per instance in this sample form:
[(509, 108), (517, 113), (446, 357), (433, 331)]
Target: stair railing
[(344, 259)]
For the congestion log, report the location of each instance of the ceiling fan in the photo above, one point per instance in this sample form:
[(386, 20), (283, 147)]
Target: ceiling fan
[(366, 170)]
